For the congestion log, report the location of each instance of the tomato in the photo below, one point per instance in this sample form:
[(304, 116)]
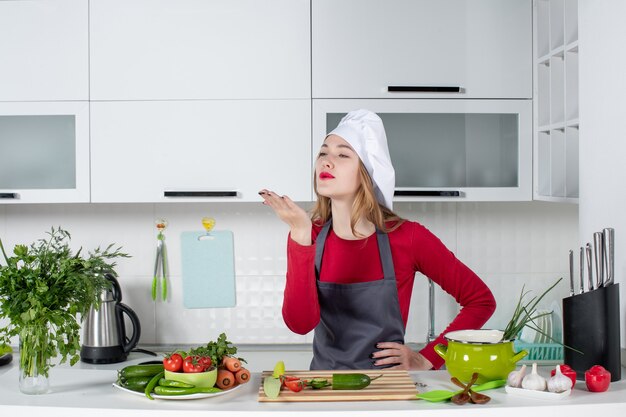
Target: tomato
[(294, 385), (173, 362), (191, 364), (205, 361), (285, 378), (597, 379), (568, 372)]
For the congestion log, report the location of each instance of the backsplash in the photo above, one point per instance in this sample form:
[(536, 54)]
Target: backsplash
[(507, 244)]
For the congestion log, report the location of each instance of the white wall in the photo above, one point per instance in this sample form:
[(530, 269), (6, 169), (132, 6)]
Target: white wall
[(602, 135), (507, 244)]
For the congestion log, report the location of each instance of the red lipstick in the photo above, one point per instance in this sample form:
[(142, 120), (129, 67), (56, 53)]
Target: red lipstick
[(326, 175)]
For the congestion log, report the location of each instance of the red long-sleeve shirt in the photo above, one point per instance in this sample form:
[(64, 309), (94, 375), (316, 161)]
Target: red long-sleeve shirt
[(413, 248)]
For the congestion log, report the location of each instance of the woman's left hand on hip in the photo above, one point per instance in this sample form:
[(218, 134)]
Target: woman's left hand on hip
[(401, 355)]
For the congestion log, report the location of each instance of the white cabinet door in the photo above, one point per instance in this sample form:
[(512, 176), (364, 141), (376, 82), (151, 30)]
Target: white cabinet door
[(200, 49), (200, 150), (44, 50), (44, 152), (360, 48)]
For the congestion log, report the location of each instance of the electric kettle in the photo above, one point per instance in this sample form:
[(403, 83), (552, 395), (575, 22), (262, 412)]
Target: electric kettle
[(104, 333)]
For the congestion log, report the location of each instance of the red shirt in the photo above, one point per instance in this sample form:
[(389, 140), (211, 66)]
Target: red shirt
[(414, 249)]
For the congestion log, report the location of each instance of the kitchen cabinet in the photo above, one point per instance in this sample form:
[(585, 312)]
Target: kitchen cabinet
[(424, 48), (44, 50), (192, 49), (200, 150), (556, 105), (44, 152), (448, 150)]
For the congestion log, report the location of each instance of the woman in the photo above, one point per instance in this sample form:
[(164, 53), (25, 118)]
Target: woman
[(351, 266)]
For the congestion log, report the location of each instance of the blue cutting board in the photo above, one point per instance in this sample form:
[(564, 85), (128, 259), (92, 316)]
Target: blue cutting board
[(208, 267)]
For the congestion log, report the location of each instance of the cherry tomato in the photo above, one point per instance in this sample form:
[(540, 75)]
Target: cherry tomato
[(191, 365), (173, 362), (568, 372), (597, 378), (294, 385)]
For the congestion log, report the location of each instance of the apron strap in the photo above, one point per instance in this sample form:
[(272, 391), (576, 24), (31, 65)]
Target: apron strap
[(384, 250)]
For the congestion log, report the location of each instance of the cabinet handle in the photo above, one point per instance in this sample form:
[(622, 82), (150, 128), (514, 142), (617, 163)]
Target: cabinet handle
[(9, 195), (429, 193), (422, 89), (200, 193)]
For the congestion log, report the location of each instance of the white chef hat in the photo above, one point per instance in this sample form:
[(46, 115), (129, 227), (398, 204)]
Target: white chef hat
[(364, 131)]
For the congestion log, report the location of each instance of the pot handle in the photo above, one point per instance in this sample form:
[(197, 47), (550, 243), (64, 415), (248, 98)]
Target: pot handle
[(518, 356), (134, 339), (441, 350)]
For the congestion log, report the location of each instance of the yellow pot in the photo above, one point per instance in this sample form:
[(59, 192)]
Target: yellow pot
[(481, 351)]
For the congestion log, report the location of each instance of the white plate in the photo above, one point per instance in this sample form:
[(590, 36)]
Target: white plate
[(178, 397), (540, 395)]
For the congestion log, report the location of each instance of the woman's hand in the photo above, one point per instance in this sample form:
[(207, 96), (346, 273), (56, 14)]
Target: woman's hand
[(402, 355), (296, 218)]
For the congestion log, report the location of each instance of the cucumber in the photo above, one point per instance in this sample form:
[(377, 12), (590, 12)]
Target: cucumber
[(134, 371), (351, 381), (138, 383)]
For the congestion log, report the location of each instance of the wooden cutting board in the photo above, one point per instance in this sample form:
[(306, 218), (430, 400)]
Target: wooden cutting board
[(393, 385)]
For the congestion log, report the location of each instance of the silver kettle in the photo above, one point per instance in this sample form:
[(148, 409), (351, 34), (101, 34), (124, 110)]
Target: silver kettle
[(104, 334)]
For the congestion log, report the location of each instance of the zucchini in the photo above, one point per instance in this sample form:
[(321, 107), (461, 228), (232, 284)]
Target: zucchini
[(134, 371), (352, 381)]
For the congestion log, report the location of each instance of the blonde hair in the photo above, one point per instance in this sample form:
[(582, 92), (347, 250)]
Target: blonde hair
[(365, 206)]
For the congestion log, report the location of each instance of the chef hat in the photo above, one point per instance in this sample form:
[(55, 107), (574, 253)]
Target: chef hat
[(364, 131)]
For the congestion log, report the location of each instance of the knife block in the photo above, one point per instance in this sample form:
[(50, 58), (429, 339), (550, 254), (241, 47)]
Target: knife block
[(591, 325)]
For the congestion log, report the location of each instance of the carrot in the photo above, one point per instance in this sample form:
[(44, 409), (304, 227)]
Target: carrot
[(231, 363), (242, 376), (225, 379)]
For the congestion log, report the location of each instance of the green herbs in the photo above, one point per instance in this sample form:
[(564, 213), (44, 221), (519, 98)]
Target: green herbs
[(525, 314), (44, 288), (216, 350)]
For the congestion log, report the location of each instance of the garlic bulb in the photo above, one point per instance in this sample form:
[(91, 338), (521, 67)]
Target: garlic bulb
[(534, 381), (559, 382), (515, 377)]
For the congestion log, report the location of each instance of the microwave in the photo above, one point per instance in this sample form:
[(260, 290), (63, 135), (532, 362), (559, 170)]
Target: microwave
[(447, 150)]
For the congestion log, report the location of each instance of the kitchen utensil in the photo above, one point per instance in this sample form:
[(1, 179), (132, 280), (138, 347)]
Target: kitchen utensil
[(463, 396), (571, 272), (481, 351), (437, 396), (160, 262), (104, 334), (475, 397), (582, 271), (608, 235), (589, 268), (392, 385), (598, 246), (208, 269)]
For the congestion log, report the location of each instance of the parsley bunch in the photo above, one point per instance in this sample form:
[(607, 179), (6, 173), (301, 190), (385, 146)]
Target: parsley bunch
[(44, 288), (216, 350)]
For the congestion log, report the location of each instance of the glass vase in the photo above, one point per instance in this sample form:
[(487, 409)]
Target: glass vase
[(34, 360)]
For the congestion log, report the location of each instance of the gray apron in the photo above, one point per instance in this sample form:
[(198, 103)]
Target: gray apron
[(355, 317)]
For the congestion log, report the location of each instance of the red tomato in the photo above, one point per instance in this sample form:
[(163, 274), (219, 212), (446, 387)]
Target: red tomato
[(568, 372), (192, 365), (173, 362), (285, 378), (294, 385), (597, 379), (205, 361)]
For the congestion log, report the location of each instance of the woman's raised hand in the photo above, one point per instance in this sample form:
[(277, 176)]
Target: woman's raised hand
[(296, 218)]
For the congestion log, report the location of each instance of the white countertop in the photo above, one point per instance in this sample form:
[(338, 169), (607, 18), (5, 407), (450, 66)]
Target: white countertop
[(87, 390)]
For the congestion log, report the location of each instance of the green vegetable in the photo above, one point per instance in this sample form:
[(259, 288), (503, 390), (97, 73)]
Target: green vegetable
[(216, 350), (444, 395), (318, 383), (271, 387), (171, 383), (161, 390), (352, 381), (136, 384), (152, 384), (44, 288), (133, 371)]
